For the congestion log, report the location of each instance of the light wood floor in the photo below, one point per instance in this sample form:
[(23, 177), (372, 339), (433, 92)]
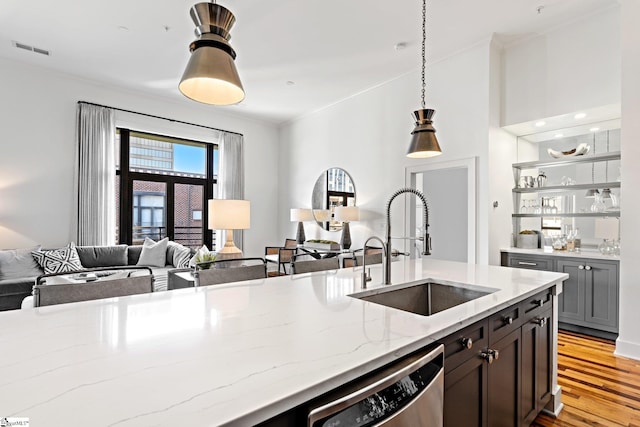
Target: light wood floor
[(598, 388)]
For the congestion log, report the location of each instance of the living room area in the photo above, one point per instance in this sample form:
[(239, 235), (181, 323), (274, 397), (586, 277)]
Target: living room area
[(339, 101)]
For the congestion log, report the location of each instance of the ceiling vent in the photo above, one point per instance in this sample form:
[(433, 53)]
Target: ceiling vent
[(31, 48)]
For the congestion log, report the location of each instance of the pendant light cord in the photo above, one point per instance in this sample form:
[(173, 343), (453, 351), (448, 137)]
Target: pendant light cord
[(424, 48), (593, 163)]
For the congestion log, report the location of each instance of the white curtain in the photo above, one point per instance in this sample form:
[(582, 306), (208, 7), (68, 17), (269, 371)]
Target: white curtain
[(95, 175), (231, 178)]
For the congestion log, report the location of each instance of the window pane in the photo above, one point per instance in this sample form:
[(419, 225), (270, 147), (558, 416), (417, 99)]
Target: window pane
[(187, 218), (149, 201), (158, 154)]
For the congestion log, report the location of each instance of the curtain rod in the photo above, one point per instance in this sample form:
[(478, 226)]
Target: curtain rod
[(159, 117)]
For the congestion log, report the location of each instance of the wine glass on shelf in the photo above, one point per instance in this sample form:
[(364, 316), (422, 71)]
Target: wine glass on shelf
[(553, 209)]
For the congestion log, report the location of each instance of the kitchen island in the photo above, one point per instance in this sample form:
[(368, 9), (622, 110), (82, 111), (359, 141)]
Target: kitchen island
[(229, 354)]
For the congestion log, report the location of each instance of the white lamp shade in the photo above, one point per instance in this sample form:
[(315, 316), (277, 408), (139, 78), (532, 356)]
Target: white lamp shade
[(229, 214), (606, 228), (301, 215), (322, 215), (346, 213)]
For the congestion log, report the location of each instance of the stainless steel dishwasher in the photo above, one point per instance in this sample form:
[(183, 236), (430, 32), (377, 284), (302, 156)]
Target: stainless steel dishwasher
[(407, 393)]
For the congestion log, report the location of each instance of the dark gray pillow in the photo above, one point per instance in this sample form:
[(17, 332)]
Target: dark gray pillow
[(102, 256), (133, 254)]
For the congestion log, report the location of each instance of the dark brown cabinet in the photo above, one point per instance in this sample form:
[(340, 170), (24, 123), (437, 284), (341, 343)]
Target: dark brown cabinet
[(503, 376)]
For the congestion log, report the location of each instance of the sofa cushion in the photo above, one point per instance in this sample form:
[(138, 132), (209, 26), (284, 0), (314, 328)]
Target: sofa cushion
[(133, 254), (58, 260), (18, 263), (154, 254), (102, 256)]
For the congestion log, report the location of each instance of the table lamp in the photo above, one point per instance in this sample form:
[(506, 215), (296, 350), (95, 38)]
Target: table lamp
[(346, 214), (229, 215), (301, 215)]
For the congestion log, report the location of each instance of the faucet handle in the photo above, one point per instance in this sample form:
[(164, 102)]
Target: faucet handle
[(395, 252)]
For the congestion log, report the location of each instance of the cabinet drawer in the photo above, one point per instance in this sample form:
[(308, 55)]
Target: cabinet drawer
[(465, 344), (536, 304), (504, 322), (530, 262)]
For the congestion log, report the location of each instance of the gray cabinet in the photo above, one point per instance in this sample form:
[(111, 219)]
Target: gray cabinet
[(590, 295)]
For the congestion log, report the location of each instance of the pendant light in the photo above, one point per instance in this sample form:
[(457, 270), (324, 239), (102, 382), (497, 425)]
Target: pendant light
[(211, 76), (424, 143)]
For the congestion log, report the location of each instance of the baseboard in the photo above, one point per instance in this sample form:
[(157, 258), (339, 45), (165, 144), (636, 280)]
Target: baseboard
[(588, 331), (555, 405), (627, 349)]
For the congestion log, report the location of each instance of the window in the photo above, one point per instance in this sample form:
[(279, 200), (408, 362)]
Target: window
[(162, 186)]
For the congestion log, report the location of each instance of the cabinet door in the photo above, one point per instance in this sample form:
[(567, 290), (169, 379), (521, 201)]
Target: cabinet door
[(572, 299), (602, 295), (465, 394), (504, 382), (537, 344)]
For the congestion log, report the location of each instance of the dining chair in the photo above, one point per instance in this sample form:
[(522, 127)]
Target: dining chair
[(281, 255), (304, 263), (373, 254), (91, 284), (227, 271)]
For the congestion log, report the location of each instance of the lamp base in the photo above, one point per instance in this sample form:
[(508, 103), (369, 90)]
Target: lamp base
[(229, 250), (345, 240), (300, 237)]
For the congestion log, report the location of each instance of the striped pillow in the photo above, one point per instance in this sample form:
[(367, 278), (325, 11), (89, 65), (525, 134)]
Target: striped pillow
[(61, 260)]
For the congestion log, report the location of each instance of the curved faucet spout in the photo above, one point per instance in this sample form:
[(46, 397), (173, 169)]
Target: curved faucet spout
[(425, 227), (385, 255)]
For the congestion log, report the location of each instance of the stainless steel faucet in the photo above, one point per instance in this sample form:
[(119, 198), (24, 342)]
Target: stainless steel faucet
[(425, 227), (387, 252), (365, 276)]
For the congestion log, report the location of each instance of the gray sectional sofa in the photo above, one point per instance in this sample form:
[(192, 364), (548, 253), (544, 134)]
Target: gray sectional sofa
[(16, 284)]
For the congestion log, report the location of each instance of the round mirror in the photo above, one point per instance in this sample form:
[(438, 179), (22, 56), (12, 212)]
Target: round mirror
[(334, 187)]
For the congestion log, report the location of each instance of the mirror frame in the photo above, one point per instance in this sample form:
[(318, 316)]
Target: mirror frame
[(322, 198)]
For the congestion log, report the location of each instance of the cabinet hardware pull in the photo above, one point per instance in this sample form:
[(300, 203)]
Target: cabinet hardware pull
[(508, 320), (533, 264), (541, 321), (588, 267), (539, 302), (467, 343), (494, 353), (486, 355), (581, 267)]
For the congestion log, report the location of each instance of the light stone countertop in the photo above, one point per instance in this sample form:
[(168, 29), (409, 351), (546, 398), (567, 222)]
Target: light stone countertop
[(584, 253), (228, 354)]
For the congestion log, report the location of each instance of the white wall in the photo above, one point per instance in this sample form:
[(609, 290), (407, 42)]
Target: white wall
[(368, 135), (574, 67), (37, 118), (628, 343)]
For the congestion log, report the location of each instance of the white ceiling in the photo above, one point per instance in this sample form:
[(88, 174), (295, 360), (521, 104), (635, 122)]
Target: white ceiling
[(331, 49)]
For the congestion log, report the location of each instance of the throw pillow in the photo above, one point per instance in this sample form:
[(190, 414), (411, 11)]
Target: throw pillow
[(60, 260), (201, 254), (181, 256), (18, 263), (153, 253)]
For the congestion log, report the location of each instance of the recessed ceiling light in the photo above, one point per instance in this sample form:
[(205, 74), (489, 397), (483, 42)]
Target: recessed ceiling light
[(123, 28), (558, 135), (290, 83), (594, 129), (540, 123), (580, 116), (400, 46)]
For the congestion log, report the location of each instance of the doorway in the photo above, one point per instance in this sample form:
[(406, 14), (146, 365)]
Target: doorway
[(450, 190)]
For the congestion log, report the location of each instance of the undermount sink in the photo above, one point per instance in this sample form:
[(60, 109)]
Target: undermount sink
[(425, 298)]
